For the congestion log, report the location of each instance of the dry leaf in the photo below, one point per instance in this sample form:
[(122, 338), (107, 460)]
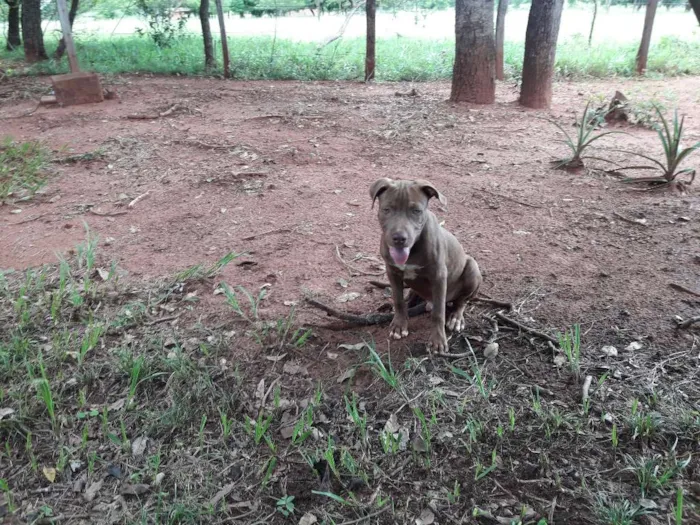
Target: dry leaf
[(92, 491), (4, 412), (634, 346), (275, 358), (426, 518), (491, 350), (308, 519), (294, 370), (138, 446), (347, 297), (134, 490), (355, 347), (609, 351), (49, 473), (348, 374), (225, 491)]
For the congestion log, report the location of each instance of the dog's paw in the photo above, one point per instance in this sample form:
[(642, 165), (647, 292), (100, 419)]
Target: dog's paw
[(455, 323), (438, 342), (398, 328)]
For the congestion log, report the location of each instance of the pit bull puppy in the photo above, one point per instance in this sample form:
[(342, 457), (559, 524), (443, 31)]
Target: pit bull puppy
[(421, 255)]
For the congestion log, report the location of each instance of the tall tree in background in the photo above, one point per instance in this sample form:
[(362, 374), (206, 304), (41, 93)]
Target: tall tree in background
[(209, 59), (14, 37), (695, 4), (643, 52), (540, 53), (371, 10), (500, 37), (31, 31), (474, 73), (61, 49)]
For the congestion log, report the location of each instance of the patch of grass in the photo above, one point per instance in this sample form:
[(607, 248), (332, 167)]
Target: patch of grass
[(617, 512), (570, 343), (398, 59), (22, 168)]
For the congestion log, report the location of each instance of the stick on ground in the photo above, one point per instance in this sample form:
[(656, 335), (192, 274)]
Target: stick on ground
[(364, 320), (527, 329)]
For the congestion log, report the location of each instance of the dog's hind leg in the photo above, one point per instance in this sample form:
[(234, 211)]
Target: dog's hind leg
[(471, 282)]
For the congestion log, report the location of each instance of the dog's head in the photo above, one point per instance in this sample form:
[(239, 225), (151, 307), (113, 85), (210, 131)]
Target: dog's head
[(403, 209)]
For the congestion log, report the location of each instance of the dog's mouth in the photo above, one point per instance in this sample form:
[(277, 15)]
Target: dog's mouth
[(399, 255)]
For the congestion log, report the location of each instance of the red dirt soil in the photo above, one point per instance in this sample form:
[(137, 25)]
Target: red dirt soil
[(282, 170)]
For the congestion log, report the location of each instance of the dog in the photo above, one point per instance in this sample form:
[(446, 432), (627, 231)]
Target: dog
[(423, 256)]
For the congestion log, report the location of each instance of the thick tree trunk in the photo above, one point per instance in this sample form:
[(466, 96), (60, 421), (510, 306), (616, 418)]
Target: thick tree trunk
[(500, 37), (695, 4), (61, 49), (31, 31), (474, 74), (540, 53), (209, 58), (14, 36), (595, 15), (643, 52), (371, 10)]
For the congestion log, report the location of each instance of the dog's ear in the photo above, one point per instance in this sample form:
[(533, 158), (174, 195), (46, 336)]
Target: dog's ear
[(378, 188), (431, 191)]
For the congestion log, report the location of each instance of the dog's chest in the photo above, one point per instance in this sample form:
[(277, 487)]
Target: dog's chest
[(410, 271)]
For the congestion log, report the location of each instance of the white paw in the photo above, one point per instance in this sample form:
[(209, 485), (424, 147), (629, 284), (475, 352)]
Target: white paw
[(455, 323)]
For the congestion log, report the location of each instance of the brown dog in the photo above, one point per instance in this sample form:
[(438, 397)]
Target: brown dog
[(421, 255)]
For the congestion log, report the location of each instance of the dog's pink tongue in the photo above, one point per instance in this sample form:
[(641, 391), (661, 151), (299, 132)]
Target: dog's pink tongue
[(400, 255)]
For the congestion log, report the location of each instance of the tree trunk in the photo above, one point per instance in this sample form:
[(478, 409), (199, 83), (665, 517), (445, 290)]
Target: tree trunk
[(540, 53), (595, 15), (224, 40), (61, 49), (474, 73), (14, 37), (209, 58), (695, 4), (500, 37), (371, 10), (31, 31), (643, 52)]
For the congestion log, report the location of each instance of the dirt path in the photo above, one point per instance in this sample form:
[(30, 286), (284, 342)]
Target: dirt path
[(281, 171)]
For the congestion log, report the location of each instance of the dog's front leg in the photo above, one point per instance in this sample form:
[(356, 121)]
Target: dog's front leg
[(399, 325), (438, 339)]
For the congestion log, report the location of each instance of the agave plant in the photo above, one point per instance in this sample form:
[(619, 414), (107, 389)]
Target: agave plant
[(589, 122), (674, 154)]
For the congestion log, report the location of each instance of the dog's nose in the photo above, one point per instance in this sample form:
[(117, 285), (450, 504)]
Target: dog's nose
[(399, 239)]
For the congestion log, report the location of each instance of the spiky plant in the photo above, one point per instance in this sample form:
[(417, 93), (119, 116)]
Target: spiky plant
[(578, 144), (674, 155)]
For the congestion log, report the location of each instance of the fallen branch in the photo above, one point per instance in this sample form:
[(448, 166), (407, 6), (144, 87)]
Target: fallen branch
[(524, 328), (367, 319), (268, 232), (586, 389), (682, 288), (510, 199), (628, 220), (137, 199), (30, 219), (106, 214), (688, 322)]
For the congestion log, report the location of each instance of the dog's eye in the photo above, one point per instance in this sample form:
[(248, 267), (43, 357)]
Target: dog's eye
[(386, 210), (416, 211)]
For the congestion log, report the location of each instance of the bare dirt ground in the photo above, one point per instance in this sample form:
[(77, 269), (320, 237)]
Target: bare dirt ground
[(280, 172)]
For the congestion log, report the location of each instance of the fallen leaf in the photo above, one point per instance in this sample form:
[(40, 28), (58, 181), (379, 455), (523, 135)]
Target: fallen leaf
[(332, 355), (275, 358), (4, 412), (343, 283), (419, 444), (225, 491), (348, 374), (308, 519), (117, 405), (435, 380), (159, 479), (104, 274), (355, 347), (392, 424), (648, 504), (134, 490), (295, 370), (559, 360), (92, 491), (291, 303), (347, 297), (49, 473), (138, 446), (426, 518), (634, 346)]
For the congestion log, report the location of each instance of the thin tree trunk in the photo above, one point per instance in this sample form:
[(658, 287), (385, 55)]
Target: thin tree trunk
[(209, 58), (500, 37), (371, 11), (61, 49), (474, 74), (595, 15), (32, 34), (643, 53), (695, 4), (14, 36), (540, 53), (224, 41)]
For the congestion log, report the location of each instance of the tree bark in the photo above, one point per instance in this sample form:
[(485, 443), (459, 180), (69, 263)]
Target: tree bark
[(595, 15), (14, 37), (371, 13), (474, 73), (540, 53), (643, 53), (695, 4), (32, 34), (500, 37), (209, 58), (61, 49), (224, 40)]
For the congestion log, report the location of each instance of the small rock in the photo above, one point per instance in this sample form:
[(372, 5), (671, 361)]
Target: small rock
[(308, 519), (609, 351), (491, 350), (347, 297), (138, 446), (634, 346), (159, 479)]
